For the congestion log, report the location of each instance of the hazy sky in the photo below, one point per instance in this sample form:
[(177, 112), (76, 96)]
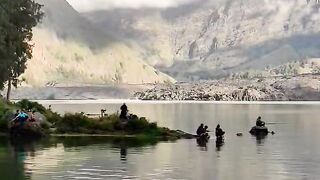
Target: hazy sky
[(89, 5)]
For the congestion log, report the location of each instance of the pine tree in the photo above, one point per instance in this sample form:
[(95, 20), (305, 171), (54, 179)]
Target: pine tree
[(17, 18)]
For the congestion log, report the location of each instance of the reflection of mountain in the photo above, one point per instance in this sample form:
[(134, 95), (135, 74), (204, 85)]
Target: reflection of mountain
[(213, 38), (70, 49)]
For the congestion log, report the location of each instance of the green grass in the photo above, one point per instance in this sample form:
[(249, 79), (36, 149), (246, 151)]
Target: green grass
[(52, 117), (6, 111), (81, 124), (73, 124)]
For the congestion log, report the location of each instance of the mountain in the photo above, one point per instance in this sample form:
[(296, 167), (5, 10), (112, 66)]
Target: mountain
[(70, 50), (211, 39)]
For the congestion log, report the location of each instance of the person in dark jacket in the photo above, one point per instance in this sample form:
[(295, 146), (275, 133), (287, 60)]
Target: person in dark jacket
[(200, 130), (219, 132), (259, 122), (124, 111)]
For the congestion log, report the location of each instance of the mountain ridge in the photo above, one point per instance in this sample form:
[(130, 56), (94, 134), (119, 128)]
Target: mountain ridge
[(202, 40), (212, 31), (69, 49)]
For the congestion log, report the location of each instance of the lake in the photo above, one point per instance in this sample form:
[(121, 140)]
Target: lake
[(292, 153)]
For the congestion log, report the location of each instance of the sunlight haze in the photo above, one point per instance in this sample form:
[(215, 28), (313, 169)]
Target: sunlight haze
[(90, 5)]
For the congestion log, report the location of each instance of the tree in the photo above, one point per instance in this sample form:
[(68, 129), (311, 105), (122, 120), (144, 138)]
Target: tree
[(17, 18)]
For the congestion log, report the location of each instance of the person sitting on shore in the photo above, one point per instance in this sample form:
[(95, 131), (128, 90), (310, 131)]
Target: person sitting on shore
[(260, 123), (200, 130), (32, 121), (124, 111), (219, 132), (31, 116), (20, 119)]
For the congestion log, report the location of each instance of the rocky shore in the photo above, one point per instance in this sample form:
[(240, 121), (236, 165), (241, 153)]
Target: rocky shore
[(289, 88)]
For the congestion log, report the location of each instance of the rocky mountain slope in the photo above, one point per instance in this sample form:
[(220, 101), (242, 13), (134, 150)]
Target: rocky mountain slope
[(289, 88), (213, 38), (70, 50), (203, 39)]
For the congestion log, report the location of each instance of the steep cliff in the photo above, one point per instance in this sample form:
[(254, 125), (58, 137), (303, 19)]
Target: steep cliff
[(213, 38), (69, 50)]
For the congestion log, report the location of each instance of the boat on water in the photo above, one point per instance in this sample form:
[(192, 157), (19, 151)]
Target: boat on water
[(259, 130)]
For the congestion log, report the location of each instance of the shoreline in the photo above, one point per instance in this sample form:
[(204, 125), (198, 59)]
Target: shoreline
[(130, 101), (124, 136)]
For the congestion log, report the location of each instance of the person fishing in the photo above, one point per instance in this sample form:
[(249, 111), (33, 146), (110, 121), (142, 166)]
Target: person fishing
[(259, 122), (206, 130), (200, 130), (219, 132), (124, 111)]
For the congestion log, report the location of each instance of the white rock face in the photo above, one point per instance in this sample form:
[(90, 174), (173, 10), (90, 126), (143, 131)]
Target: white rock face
[(212, 38), (205, 39), (70, 50)]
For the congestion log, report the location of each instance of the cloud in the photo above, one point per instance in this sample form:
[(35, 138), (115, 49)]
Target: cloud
[(91, 5)]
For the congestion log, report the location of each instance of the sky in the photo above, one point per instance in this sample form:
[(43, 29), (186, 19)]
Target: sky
[(91, 5)]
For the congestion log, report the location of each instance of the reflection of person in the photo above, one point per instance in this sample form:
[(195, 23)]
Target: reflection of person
[(259, 122), (202, 144), (123, 153)]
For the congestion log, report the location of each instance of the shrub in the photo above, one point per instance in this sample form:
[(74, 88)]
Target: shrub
[(76, 123), (138, 125), (106, 126), (3, 125), (26, 104), (52, 117), (110, 123)]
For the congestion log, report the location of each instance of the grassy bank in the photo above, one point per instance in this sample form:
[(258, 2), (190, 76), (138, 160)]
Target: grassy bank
[(81, 125)]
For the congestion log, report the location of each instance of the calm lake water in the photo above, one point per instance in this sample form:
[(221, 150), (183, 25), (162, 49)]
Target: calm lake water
[(292, 153)]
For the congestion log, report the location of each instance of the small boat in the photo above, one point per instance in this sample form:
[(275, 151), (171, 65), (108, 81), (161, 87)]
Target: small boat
[(258, 130)]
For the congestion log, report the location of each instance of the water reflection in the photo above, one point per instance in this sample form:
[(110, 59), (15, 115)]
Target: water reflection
[(11, 165), (290, 154), (202, 144), (38, 159), (219, 143), (260, 139), (123, 153)]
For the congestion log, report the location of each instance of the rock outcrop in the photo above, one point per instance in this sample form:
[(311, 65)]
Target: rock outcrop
[(295, 88)]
